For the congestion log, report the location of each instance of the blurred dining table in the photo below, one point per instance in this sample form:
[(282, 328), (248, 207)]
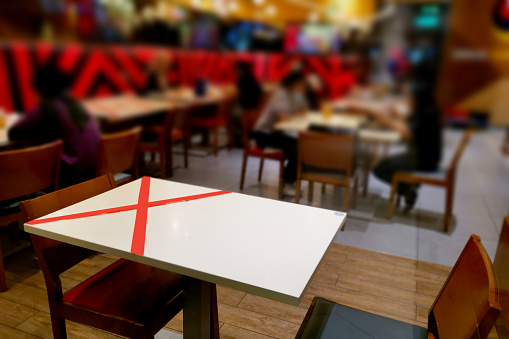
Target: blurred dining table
[(338, 122), (124, 107)]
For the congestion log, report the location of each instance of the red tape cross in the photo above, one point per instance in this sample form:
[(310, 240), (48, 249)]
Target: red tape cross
[(140, 224)]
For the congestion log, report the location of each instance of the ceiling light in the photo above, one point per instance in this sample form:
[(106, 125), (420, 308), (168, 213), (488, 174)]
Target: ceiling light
[(258, 2), (271, 10), (233, 6)]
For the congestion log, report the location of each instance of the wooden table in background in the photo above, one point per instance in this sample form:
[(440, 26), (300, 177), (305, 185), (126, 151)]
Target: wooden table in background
[(125, 107)]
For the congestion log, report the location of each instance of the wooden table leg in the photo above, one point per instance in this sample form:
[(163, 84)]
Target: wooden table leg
[(200, 309)]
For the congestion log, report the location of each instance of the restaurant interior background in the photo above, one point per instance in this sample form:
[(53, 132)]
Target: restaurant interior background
[(358, 52)]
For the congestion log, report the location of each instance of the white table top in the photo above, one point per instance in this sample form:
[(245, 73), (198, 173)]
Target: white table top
[(125, 107), (264, 247), (341, 121), (302, 123), (10, 119)]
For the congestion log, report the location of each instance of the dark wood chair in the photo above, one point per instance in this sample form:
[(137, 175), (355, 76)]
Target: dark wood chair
[(25, 172), (126, 298), (502, 272), (118, 154), (445, 179), (249, 119), (466, 308), (159, 139), (328, 159), (218, 116)]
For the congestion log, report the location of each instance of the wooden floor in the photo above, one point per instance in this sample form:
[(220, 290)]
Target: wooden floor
[(396, 287)]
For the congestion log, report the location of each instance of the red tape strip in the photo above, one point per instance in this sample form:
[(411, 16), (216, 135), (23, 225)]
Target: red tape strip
[(140, 225)]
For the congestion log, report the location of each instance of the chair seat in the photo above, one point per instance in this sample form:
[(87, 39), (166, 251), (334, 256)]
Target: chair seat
[(128, 290), (440, 174), (329, 320), (208, 122), (266, 153), (121, 177)]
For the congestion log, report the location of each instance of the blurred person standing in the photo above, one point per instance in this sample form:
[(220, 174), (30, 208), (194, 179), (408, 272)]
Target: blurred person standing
[(59, 116), (289, 99)]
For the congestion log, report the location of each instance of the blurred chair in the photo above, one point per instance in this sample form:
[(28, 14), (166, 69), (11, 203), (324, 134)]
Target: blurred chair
[(217, 117), (25, 173), (160, 139), (465, 308), (445, 179), (328, 159), (118, 154), (126, 298), (249, 119), (502, 272)]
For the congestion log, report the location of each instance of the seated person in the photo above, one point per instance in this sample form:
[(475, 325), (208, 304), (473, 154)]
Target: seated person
[(248, 88), (289, 99), (157, 74), (422, 130), (59, 116)]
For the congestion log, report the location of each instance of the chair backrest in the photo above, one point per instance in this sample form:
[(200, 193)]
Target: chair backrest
[(451, 173), (30, 170), (327, 151), (501, 266), (250, 117), (118, 152), (54, 256), (467, 306)]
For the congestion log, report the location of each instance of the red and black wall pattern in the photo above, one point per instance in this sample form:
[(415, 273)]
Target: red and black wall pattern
[(103, 71)]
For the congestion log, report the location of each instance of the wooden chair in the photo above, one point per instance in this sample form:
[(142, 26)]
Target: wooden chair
[(249, 119), (24, 172), (328, 159), (118, 154), (217, 117), (502, 271), (465, 308), (126, 298), (445, 179), (160, 139)]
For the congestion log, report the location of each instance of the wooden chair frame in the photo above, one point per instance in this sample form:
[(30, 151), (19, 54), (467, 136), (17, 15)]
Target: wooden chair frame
[(447, 183), (164, 138), (20, 171), (486, 306), (104, 167), (48, 248), (249, 118), (351, 173)]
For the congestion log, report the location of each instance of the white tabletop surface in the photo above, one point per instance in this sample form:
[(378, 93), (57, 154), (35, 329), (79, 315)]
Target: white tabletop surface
[(343, 121), (302, 123), (125, 106), (10, 119), (265, 247)]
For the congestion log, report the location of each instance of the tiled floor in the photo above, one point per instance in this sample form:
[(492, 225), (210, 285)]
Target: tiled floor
[(481, 201)]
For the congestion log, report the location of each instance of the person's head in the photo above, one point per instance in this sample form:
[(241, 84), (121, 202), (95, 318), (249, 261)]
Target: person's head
[(49, 81), (161, 62), (243, 68), (294, 82)]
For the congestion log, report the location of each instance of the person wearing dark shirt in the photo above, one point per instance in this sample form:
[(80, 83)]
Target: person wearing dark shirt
[(59, 116), (422, 130), (248, 88)]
